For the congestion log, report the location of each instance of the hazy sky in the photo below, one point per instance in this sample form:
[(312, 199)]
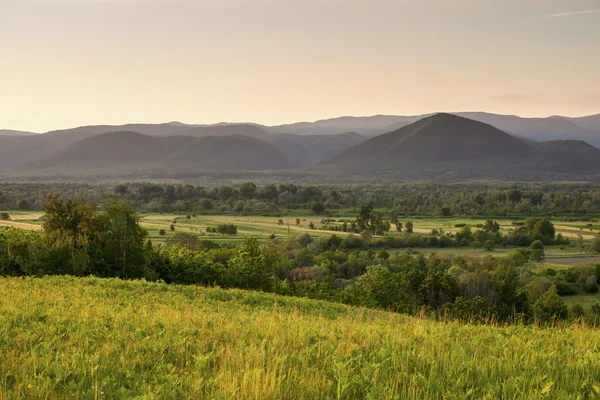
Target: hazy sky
[(65, 63)]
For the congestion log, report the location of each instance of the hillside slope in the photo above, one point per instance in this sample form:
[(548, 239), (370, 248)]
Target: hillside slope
[(313, 149), (436, 140), (106, 338), (453, 146), (120, 150)]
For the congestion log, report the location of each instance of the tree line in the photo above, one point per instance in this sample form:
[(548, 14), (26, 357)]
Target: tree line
[(78, 239), (405, 199)]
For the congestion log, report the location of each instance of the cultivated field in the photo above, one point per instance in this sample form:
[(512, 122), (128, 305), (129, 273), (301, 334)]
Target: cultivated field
[(263, 227), (65, 337)]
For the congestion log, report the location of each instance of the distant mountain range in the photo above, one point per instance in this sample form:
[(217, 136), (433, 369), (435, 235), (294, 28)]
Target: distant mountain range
[(456, 146), (538, 129)]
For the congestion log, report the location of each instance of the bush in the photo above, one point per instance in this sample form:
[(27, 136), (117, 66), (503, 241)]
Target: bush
[(577, 310), (227, 229), (591, 285), (4, 216), (162, 232), (550, 306), (489, 245)]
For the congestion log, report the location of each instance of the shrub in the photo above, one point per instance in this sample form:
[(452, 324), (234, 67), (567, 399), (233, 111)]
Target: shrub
[(577, 310), (489, 245), (591, 285), (162, 232), (550, 306), (4, 216)]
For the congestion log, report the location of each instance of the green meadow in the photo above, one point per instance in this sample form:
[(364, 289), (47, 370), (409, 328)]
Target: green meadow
[(89, 338)]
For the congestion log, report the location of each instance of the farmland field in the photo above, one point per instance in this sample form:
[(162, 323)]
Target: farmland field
[(265, 227), (65, 337)]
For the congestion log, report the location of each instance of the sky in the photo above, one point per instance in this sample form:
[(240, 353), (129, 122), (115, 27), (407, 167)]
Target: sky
[(67, 63)]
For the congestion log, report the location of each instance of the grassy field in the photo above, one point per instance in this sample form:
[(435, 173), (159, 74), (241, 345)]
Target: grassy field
[(262, 227), (64, 337)]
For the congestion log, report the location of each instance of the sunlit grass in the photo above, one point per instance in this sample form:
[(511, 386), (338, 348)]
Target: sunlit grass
[(64, 337)]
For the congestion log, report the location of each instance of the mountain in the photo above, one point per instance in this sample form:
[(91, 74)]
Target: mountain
[(119, 151), (313, 149), (566, 155), (450, 145), (65, 137), (551, 128), (591, 122), (19, 150), (538, 129), (11, 133), (247, 130), (366, 126)]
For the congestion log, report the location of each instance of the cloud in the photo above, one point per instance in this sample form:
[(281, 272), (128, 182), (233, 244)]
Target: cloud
[(569, 14)]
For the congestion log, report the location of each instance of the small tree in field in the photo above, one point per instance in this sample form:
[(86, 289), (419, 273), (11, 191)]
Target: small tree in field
[(489, 245), (537, 251), (4, 216), (227, 229)]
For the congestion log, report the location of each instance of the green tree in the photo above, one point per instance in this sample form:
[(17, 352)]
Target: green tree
[(408, 227), (489, 245), (120, 190), (317, 208), (247, 190), (227, 229), (249, 267), (72, 226), (123, 238), (22, 205), (550, 306), (4, 216), (399, 226), (364, 217)]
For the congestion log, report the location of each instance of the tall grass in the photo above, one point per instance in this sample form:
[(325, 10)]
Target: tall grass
[(62, 337)]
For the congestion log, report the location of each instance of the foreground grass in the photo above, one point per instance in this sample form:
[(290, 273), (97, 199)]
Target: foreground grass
[(90, 338)]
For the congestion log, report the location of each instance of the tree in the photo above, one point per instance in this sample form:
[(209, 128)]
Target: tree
[(22, 205), (227, 229), (399, 227), (73, 226), (297, 221), (304, 240), (540, 229), (491, 226), (537, 251), (123, 238), (162, 232), (476, 244), (550, 306), (184, 239), (364, 217), (514, 195), (172, 227), (247, 190), (4, 216), (489, 245), (317, 208), (408, 227), (121, 190)]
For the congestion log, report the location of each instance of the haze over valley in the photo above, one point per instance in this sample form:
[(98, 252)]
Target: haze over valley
[(457, 146)]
